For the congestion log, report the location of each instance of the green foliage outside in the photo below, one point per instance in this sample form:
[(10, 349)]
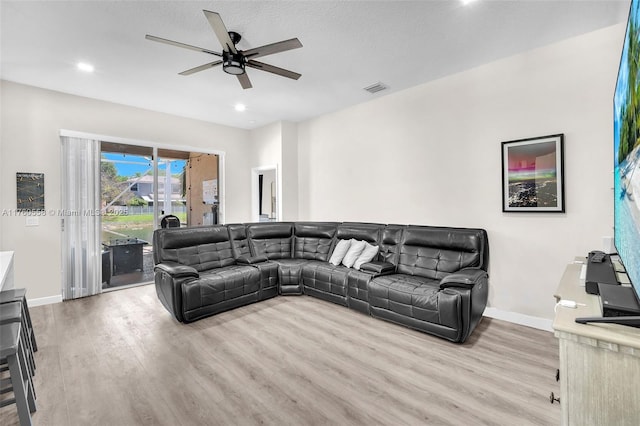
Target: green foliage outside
[(629, 126), (137, 201)]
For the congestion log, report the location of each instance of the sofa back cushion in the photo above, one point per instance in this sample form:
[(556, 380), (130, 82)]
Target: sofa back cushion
[(314, 240), (202, 248), (273, 240), (369, 232), (434, 252), (239, 240)]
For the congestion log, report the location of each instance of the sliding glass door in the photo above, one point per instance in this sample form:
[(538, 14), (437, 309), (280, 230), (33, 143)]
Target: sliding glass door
[(128, 220), (145, 188)]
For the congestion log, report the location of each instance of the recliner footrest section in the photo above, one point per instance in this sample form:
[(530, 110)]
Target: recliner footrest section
[(417, 302), (326, 281), (220, 289)]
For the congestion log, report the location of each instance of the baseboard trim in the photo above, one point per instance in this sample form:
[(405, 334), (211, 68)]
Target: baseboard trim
[(44, 300), (516, 318)]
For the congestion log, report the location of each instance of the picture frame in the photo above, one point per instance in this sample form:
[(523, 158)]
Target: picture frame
[(29, 191), (533, 175)]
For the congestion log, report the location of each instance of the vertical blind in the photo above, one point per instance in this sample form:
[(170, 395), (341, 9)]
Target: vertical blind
[(81, 261)]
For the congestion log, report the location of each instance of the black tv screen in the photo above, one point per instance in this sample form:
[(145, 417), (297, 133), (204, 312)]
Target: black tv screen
[(626, 142)]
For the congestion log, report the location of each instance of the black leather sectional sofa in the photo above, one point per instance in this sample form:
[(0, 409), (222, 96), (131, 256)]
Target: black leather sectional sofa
[(432, 279)]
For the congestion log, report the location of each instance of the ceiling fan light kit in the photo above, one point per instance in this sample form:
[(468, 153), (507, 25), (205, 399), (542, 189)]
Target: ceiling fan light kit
[(232, 63), (234, 60)]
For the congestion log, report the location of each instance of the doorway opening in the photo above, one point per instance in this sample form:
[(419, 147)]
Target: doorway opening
[(265, 202)]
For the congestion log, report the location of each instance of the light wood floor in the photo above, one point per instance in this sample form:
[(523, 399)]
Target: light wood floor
[(120, 359)]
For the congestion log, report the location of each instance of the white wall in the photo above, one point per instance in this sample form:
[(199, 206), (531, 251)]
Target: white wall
[(31, 119), (431, 155), (266, 145), (277, 145), (289, 181)]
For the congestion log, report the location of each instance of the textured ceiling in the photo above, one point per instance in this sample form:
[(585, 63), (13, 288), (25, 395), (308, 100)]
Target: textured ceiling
[(348, 45)]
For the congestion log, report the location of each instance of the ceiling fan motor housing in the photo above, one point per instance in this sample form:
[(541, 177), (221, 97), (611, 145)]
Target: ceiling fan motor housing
[(233, 63), (235, 37)]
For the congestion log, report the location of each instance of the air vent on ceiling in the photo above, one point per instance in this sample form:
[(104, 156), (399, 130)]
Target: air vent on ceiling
[(377, 87)]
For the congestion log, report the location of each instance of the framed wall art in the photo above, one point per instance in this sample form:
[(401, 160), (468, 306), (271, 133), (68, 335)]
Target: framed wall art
[(29, 191), (532, 175)]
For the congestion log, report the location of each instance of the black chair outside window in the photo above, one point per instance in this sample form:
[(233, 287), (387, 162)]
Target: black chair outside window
[(170, 221)]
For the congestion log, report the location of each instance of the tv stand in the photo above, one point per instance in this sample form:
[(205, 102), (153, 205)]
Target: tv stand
[(599, 359)]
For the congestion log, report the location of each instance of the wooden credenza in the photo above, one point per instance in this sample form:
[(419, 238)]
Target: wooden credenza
[(599, 363)]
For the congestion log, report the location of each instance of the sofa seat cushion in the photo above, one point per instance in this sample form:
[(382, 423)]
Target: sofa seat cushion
[(324, 276), (218, 285), (408, 295)]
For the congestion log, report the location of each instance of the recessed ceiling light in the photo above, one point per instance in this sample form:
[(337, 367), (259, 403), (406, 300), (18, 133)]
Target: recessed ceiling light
[(240, 107), (466, 2), (83, 66)]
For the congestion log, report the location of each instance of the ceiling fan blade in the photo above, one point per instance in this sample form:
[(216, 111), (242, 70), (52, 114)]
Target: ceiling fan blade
[(244, 81), (221, 31), (273, 69), (183, 45), (270, 49), (200, 68)]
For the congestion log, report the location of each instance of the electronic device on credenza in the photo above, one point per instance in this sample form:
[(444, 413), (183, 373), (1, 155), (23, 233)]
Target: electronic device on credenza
[(600, 270), (626, 147), (633, 321), (618, 304)]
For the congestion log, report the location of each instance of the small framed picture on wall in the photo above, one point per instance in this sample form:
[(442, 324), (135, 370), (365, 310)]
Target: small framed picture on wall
[(30, 191), (532, 175)]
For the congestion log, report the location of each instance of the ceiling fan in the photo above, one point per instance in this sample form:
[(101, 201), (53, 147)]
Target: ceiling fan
[(233, 60)]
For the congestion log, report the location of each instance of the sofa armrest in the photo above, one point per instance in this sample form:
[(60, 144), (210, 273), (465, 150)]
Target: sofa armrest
[(464, 278), (177, 270), (378, 268), (250, 260)]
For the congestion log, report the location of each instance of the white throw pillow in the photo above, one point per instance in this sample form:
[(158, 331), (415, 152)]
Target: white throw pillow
[(367, 255), (338, 253), (355, 249)]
